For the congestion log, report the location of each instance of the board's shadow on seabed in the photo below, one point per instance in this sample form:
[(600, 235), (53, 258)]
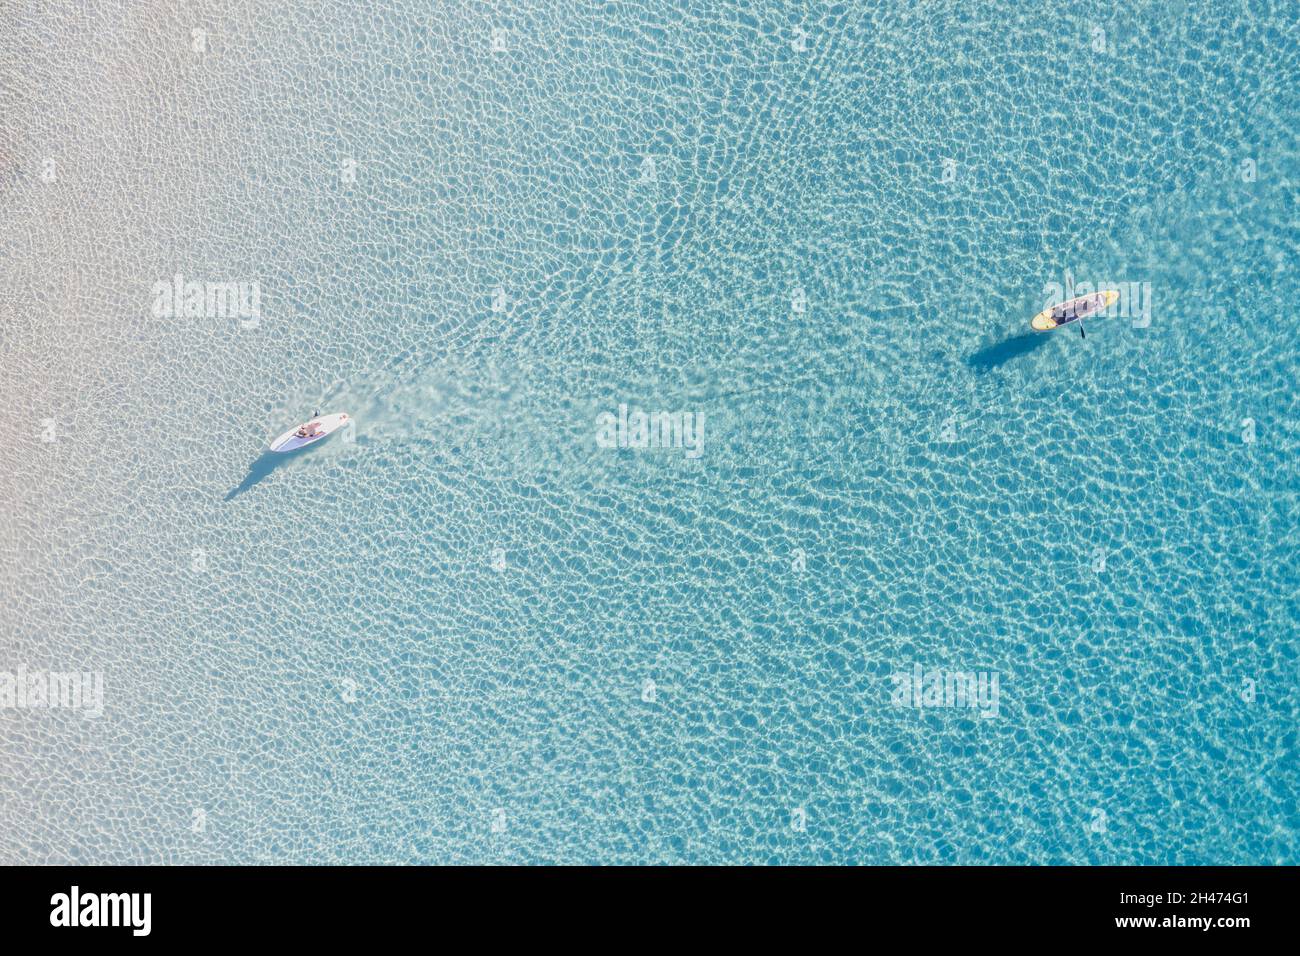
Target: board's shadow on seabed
[(269, 461), (998, 354), (258, 470)]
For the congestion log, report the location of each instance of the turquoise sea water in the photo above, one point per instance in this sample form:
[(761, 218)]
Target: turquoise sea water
[(465, 632)]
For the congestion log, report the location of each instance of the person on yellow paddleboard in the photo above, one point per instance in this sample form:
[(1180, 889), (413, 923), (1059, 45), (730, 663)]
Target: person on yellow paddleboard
[(1075, 310)]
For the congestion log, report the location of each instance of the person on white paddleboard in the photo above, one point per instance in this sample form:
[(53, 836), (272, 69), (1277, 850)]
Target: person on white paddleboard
[(310, 429)]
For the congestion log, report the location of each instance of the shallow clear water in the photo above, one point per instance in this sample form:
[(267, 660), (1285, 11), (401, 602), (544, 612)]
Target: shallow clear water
[(465, 632)]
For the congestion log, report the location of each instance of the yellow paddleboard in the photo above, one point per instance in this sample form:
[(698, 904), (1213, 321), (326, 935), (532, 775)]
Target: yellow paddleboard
[(1077, 308)]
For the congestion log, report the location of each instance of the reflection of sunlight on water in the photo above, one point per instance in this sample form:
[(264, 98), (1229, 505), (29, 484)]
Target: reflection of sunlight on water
[(465, 408), (401, 406)]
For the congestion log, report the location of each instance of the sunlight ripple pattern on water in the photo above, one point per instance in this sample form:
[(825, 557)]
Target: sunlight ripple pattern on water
[(467, 633)]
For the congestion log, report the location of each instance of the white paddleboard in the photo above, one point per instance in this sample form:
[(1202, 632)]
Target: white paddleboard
[(292, 441)]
